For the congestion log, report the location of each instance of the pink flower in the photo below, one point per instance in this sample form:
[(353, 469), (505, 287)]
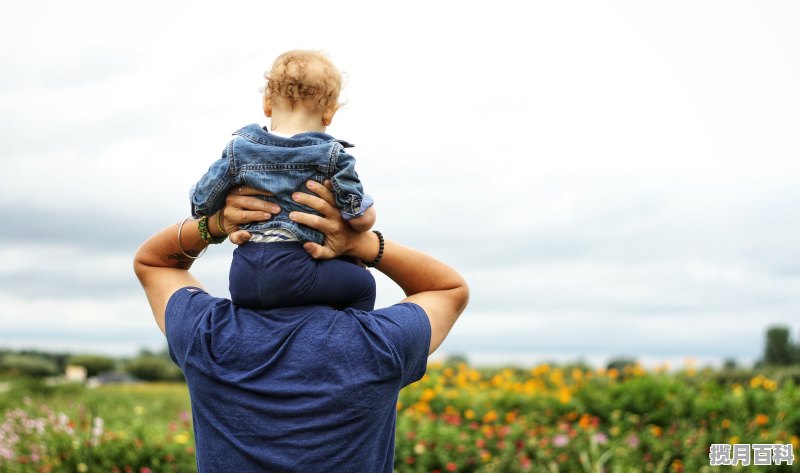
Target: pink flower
[(560, 440)]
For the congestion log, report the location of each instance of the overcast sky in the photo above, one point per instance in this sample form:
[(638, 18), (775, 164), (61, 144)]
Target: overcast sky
[(612, 178)]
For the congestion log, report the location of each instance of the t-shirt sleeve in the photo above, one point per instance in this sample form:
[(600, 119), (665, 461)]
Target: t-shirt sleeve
[(407, 328), (184, 311)]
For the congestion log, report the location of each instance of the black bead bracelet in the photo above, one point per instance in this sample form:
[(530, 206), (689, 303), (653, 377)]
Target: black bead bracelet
[(380, 250)]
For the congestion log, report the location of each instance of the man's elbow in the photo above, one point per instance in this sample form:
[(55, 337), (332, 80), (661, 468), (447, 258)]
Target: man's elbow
[(461, 295)]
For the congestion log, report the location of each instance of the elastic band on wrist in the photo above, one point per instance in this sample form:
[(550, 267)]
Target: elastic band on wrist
[(180, 243), (219, 222), (377, 259), (202, 227)]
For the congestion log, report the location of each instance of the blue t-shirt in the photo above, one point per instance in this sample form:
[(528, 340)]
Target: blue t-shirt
[(305, 389)]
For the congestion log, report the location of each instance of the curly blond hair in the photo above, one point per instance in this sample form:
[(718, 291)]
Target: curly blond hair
[(304, 77)]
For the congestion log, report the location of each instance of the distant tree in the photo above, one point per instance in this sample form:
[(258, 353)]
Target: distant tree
[(619, 363), (730, 364), (28, 365), (94, 364), (779, 349), (456, 359), (153, 368)]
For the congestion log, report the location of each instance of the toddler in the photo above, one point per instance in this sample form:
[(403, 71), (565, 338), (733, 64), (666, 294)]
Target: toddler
[(272, 269)]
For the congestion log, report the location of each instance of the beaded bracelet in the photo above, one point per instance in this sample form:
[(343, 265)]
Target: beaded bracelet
[(377, 259), (202, 226), (180, 243)]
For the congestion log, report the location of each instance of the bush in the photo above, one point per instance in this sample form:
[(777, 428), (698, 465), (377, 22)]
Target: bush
[(28, 365), (94, 364), (153, 368)]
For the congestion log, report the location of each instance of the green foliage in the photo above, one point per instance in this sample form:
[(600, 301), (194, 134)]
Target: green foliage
[(94, 364), (545, 419), (779, 349), (134, 428), (153, 368), (28, 365)]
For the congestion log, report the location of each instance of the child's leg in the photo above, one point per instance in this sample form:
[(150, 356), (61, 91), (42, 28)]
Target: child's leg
[(268, 275), (343, 284)]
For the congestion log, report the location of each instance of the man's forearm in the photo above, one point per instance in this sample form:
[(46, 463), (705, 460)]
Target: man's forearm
[(416, 272), (164, 250), (412, 270)]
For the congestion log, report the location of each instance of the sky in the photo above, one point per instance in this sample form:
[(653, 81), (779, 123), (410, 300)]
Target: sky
[(611, 178)]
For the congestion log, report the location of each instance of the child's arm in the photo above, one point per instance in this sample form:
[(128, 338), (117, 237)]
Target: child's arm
[(365, 221), (208, 195), (356, 206)]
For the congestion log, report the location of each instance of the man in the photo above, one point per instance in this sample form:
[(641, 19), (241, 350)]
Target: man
[(307, 389)]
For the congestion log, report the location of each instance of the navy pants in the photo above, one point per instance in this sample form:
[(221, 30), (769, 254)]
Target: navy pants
[(269, 275)]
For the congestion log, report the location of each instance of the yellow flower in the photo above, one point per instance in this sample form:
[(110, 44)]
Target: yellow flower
[(138, 410), (564, 395), (656, 430), (756, 382), (419, 449), (489, 417), (182, 438), (82, 467), (469, 414)]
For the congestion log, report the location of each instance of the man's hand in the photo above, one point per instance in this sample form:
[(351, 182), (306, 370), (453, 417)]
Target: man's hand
[(340, 237), (241, 207)]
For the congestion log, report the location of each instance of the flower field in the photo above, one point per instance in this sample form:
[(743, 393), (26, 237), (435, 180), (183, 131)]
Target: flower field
[(456, 419)]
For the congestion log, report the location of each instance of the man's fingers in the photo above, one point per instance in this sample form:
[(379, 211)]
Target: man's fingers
[(247, 190), (251, 203), (324, 204), (240, 217), (239, 237), (314, 221), (317, 251)]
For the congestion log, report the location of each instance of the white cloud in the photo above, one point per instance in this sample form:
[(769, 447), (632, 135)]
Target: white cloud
[(583, 162)]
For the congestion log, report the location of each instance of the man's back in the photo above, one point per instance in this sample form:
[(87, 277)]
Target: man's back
[(295, 389)]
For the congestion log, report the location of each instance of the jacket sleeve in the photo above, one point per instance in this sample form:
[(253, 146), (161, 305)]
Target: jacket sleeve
[(208, 195), (347, 188)]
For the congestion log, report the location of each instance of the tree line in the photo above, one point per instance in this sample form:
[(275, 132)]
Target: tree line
[(779, 350), (146, 366)]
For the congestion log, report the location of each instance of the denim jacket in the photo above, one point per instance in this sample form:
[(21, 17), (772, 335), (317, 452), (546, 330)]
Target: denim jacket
[(257, 158)]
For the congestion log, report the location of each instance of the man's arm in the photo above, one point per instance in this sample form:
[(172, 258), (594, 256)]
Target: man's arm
[(437, 288), (162, 264)]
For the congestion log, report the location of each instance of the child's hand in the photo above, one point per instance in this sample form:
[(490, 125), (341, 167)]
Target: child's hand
[(364, 222)]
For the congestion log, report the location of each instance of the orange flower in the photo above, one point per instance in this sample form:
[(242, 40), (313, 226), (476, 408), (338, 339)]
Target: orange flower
[(761, 419)]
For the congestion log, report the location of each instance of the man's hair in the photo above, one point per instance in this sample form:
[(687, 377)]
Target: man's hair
[(304, 77)]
